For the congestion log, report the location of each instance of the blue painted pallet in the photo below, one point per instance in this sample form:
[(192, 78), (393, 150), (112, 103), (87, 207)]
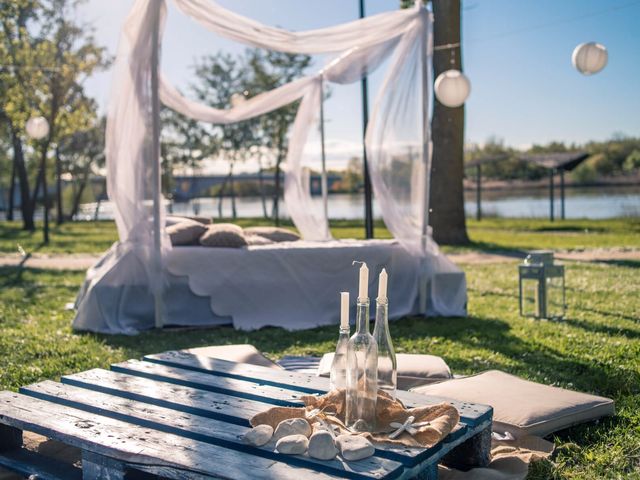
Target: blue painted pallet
[(177, 415)]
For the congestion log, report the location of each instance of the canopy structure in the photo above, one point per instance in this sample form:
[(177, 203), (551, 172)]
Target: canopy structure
[(556, 162), (397, 138)]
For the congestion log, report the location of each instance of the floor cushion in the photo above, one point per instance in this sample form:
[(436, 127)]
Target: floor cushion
[(223, 235), (413, 369), (185, 232), (173, 219), (275, 234), (242, 353), (522, 407), (256, 240)]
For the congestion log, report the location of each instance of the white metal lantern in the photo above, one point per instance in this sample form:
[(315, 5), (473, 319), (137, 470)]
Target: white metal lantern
[(452, 88), (37, 127), (589, 58)]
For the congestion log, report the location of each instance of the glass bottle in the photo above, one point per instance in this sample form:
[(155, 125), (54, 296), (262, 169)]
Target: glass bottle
[(387, 364), (338, 378), (362, 373)]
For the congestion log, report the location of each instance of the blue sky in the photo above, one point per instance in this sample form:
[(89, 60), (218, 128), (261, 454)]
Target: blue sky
[(516, 53)]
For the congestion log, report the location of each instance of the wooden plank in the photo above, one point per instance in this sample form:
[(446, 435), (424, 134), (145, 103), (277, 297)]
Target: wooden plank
[(206, 430), (99, 467), (10, 438), (27, 463), (139, 447), (247, 389), (471, 414)]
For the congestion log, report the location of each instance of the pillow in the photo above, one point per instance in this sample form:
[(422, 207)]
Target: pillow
[(223, 235), (413, 369), (522, 407), (275, 234), (253, 240), (244, 353), (173, 219), (185, 232)]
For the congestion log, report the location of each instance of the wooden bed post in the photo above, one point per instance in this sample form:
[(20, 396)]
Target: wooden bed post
[(323, 178), (155, 155)]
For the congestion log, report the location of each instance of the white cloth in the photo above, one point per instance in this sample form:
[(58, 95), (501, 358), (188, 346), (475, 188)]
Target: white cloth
[(294, 285)]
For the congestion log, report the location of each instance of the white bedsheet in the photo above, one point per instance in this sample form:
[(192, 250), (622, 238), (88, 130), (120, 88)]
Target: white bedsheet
[(294, 285)]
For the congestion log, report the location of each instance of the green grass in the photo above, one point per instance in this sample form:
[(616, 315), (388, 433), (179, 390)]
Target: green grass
[(596, 348), (487, 235)]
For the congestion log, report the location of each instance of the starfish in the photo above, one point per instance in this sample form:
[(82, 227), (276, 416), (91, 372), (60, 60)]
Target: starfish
[(408, 426)]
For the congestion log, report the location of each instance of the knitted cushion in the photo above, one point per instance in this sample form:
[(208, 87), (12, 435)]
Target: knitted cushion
[(223, 235), (185, 232), (273, 233)]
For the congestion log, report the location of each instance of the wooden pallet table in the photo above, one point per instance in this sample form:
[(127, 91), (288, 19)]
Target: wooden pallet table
[(180, 416)]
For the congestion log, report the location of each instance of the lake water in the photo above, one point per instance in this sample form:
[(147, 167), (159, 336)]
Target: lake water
[(593, 203)]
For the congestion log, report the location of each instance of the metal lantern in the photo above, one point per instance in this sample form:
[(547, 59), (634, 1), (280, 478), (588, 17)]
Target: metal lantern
[(37, 127), (589, 58), (542, 292), (452, 88)]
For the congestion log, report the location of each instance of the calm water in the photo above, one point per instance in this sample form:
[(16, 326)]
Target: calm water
[(580, 203)]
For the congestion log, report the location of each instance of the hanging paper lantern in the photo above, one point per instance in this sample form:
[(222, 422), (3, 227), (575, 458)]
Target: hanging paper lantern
[(37, 127), (452, 88), (589, 58)]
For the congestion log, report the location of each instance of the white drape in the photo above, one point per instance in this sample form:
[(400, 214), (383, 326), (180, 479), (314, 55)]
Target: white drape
[(394, 138)]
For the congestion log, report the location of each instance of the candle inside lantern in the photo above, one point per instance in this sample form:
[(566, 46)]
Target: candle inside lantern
[(344, 309), (363, 291), (382, 286)]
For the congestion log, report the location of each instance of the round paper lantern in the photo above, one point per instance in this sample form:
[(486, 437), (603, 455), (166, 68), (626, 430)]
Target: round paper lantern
[(37, 127), (452, 88), (589, 58)]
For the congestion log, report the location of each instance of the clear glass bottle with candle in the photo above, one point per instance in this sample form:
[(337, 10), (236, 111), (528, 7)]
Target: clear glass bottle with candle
[(362, 367), (387, 363), (338, 376)]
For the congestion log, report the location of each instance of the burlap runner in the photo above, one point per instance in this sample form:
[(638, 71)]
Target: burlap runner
[(436, 421)]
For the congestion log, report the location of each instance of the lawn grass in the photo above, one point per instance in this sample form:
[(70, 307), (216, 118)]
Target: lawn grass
[(596, 348), (493, 234)]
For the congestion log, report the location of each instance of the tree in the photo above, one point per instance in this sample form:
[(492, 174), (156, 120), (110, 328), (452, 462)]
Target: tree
[(49, 55), (220, 77), (270, 70)]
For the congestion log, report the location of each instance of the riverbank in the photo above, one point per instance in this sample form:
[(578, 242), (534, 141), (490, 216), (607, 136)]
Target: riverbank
[(543, 183)]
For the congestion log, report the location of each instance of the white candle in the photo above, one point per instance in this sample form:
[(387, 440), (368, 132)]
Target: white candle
[(364, 281), (344, 309), (382, 286)]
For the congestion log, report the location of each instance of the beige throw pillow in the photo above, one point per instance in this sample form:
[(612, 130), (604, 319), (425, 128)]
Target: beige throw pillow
[(413, 369), (223, 235), (185, 232), (244, 353), (522, 407), (256, 240), (274, 234), (173, 219)]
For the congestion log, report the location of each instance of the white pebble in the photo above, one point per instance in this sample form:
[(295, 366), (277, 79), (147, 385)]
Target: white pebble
[(354, 447), (292, 426), (322, 446), (259, 435), (293, 444)]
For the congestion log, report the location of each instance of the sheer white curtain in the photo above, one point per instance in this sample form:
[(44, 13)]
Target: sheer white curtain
[(395, 134)]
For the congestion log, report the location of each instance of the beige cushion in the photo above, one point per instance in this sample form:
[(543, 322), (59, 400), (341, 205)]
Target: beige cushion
[(413, 369), (186, 232), (275, 234), (223, 235), (244, 353), (523, 407), (257, 240), (173, 219)]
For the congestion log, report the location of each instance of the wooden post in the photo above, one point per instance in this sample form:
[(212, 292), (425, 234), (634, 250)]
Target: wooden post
[(478, 192), (551, 216), (155, 163), (323, 179), (425, 80), (562, 194), (368, 192)]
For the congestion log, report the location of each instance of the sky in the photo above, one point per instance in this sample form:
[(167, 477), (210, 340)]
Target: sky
[(516, 53)]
